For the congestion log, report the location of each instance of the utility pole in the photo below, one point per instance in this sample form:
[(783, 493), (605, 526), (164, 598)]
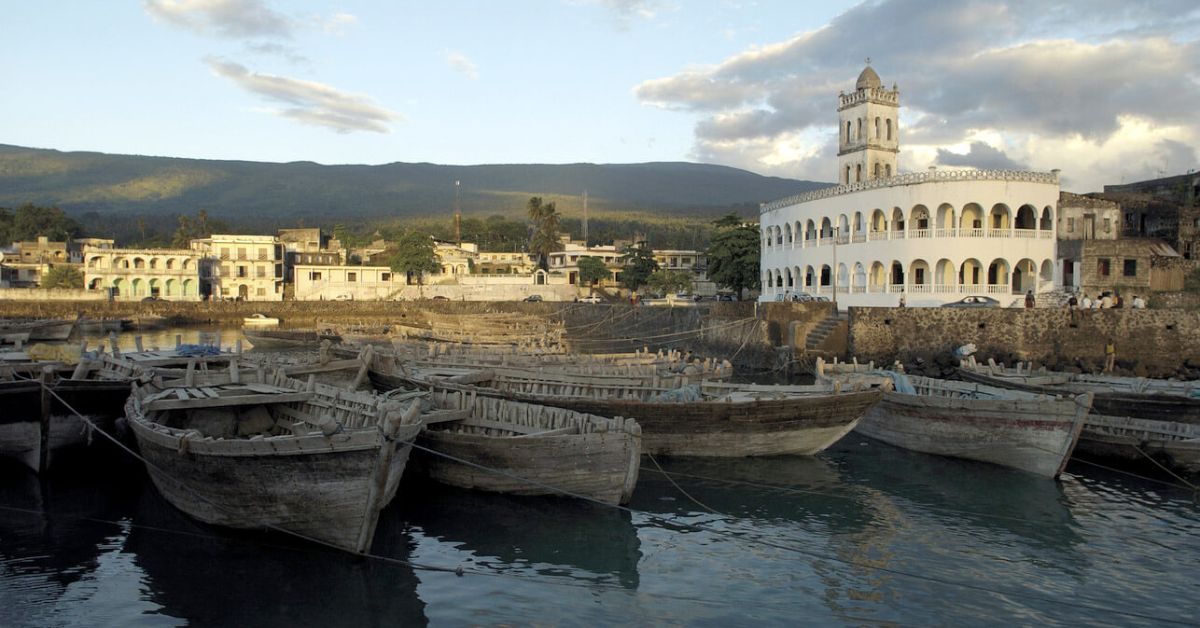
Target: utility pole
[(585, 225), (834, 270), (457, 216)]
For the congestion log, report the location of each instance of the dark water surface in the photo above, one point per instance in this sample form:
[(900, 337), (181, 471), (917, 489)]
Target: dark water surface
[(862, 534)]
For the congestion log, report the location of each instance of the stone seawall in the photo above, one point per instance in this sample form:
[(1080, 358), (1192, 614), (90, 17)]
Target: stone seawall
[(1155, 343)]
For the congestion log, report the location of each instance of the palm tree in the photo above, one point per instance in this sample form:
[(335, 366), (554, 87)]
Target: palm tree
[(544, 240)]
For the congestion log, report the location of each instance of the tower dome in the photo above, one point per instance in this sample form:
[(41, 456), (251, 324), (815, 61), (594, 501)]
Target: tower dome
[(868, 79)]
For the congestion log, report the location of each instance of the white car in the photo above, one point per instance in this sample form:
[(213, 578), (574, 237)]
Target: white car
[(591, 299)]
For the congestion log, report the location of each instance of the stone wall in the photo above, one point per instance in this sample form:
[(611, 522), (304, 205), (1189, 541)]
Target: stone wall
[(38, 294), (1149, 342)]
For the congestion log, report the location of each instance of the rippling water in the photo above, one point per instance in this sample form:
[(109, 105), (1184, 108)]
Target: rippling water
[(862, 534)]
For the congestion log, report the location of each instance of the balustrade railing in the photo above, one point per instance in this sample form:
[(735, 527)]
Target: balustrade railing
[(910, 179)]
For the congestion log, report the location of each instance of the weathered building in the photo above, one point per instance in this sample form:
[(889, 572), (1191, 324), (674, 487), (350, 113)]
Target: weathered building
[(245, 267), (1163, 208), (133, 274), (930, 236)]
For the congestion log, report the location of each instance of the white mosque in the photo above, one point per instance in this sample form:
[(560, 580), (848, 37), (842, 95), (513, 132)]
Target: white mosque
[(931, 237)]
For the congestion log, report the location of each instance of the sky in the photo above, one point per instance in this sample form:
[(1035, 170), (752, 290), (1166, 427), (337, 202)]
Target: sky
[(1105, 90)]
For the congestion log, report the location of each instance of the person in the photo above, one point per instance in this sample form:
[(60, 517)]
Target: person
[(902, 302), (1073, 306), (1086, 303), (1139, 303), (1118, 300), (1029, 302), (1106, 301), (1110, 355)]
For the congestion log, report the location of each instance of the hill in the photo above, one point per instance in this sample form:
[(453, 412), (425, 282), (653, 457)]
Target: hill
[(99, 185)]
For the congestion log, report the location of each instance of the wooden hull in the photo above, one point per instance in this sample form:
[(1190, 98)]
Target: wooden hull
[(284, 339), (1036, 436), (801, 425), (321, 495), (1156, 407), (1171, 443), (601, 465), (22, 440), (52, 331)]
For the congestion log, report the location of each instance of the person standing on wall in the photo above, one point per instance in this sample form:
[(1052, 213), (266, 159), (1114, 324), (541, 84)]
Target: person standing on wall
[(1110, 356), (1073, 307), (1029, 301)]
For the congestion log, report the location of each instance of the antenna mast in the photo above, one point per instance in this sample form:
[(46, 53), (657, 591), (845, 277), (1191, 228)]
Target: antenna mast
[(457, 216), (585, 233)]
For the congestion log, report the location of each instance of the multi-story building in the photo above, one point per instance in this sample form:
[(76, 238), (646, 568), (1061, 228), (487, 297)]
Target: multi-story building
[(245, 267), (566, 261), (931, 236), (132, 274)]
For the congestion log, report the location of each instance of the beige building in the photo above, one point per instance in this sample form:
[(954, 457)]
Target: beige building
[(132, 274), (1087, 218), (245, 267)]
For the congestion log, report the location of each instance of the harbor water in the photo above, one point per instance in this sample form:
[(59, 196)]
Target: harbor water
[(862, 534)]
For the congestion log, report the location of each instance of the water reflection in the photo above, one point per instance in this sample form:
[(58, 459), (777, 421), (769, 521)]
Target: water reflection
[(211, 576), (545, 535)]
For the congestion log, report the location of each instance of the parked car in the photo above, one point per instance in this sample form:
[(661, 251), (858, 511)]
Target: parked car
[(725, 297), (533, 298), (974, 301), (591, 299), (441, 298), (152, 298)]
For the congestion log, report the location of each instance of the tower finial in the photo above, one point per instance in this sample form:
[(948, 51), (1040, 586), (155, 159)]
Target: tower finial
[(868, 60)]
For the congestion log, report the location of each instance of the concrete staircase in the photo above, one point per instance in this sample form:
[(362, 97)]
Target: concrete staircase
[(815, 340)]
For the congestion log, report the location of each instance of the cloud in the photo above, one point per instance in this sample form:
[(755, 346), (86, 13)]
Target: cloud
[(1051, 71), (310, 102), (228, 19), (625, 12), (337, 23), (462, 64), (981, 156)]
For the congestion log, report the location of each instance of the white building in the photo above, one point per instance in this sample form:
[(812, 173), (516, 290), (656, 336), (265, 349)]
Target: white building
[(246, 267), (932, 237), (134, 274)]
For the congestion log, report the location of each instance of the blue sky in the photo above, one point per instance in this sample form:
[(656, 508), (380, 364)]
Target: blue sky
[(1104, 90)]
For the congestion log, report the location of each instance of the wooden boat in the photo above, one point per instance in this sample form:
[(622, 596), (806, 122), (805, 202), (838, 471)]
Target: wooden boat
[(307, 459), (35, 424), (1131, 418), (101, 325), (554, 448), (1026, 431), (260, 320), (37, 330), (1141, 398), (709, 419), (286, 338)]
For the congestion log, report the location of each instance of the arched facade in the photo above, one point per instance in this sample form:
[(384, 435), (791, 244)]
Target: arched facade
[(934, 236), (131, 274)]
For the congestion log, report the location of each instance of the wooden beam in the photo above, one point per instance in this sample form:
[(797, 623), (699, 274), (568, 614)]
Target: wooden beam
[(219, 402), (573, 429), (443, 416)]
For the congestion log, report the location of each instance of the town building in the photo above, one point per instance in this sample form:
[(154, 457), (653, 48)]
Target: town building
[(929, 237), (134, 274), (244, 267), (1165, 208)]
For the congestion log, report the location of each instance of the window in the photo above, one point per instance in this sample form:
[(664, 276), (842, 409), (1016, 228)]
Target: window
[(241, 252), (889, 129), (351, 276), (388, 276), (241, 271), (1070, 225), (1130, 269), (1103, 266), (887, 169), (262, 292), (224, 252), (262, 253), (1108, 225), (314, 276), (261, 272)]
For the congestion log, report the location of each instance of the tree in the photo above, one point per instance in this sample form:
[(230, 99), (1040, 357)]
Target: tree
[(639, 265), (192, 228), (414, 253), (592, 270), (30, 221), (62, 277), (544, 240), (733, 255), (669, 281)]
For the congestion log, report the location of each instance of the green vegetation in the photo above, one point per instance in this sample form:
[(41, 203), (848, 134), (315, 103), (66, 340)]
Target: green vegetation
[(733, 255), (413, 254), (669, 281), (638, 263), (29, 221), (62, 277), (198, 227), (109, 193), (592, 270), (544, 240)]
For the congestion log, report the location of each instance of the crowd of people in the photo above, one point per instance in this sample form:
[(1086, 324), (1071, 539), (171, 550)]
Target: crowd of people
[(1104, 301)]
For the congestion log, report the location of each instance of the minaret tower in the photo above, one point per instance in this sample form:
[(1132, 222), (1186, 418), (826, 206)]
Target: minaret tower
[(869, 133)]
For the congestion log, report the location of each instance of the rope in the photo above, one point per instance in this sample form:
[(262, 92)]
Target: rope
[(1164, 468), (655, 518), (680, 488), (691, 333)]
